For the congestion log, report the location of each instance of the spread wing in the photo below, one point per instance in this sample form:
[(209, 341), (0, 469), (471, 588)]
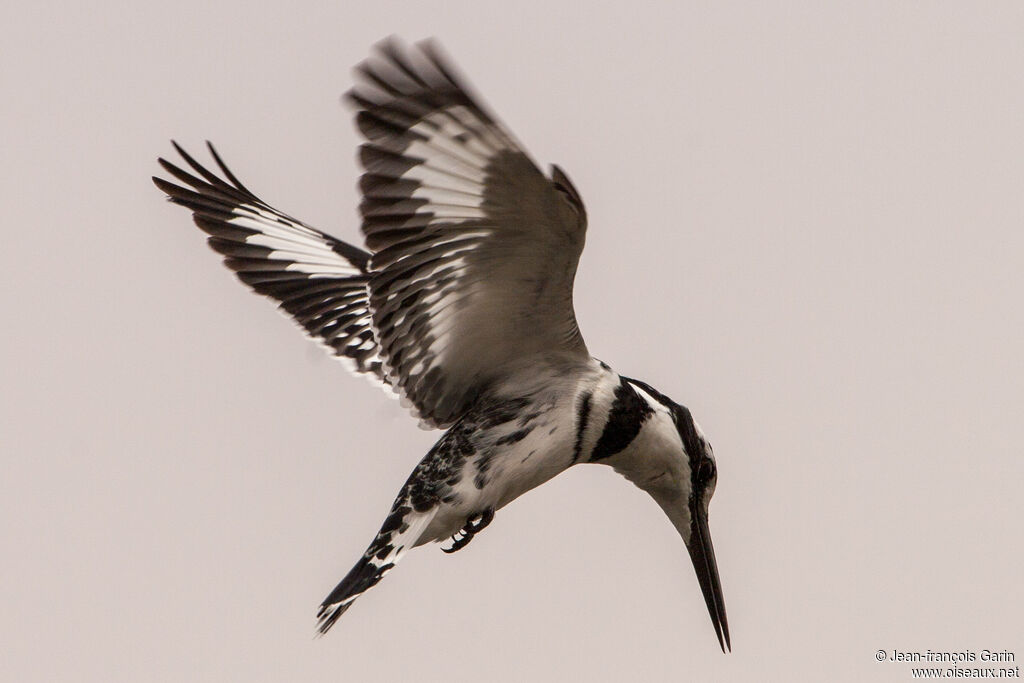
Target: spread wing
[(474, 249), (319, 281)]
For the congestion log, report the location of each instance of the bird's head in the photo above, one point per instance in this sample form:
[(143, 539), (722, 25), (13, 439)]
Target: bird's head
[(673, 462)]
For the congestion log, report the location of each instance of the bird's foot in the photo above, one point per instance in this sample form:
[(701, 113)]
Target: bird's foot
[(474, 524)]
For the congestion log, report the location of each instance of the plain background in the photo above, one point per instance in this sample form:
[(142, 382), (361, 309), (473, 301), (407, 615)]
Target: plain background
[(806, 224)]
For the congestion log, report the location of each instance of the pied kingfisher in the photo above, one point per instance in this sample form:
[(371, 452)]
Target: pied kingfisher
[(462, 306)]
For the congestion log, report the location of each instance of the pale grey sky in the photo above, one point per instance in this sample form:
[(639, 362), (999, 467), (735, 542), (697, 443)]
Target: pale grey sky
[(806, 224)]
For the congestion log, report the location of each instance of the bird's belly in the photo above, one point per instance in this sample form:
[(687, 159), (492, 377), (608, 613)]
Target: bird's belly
[(500, 472), (527, 465)]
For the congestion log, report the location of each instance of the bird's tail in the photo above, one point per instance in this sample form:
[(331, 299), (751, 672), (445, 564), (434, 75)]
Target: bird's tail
[(401, 530)]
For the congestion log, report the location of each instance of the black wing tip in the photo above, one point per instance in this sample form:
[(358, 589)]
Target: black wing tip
[(176, 171), (202, 186), (179, 194), (396, 50), (397, 69), (188, 158), (227, 171), (180, 149), (161, 184), (390, 44)]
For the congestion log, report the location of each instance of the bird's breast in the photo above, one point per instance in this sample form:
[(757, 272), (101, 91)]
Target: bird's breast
[(524, 455)]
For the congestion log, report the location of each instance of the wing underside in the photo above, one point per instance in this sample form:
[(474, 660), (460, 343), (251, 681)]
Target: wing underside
[(474, 249)]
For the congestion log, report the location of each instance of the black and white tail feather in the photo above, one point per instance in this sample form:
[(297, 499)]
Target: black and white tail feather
[(400, 532)]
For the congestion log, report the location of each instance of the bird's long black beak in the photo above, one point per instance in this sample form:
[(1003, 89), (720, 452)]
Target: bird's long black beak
[(702, 552)]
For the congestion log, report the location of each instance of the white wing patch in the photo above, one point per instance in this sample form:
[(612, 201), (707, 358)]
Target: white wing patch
[(319, 281)]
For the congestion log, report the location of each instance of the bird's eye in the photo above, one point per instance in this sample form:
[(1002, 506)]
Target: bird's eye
[(706, 471)]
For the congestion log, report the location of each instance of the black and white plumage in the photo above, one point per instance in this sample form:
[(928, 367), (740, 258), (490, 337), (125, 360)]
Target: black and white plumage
[(463, 307)]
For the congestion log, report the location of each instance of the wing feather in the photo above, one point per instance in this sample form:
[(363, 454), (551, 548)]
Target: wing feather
[(474, 249), (319, 281)]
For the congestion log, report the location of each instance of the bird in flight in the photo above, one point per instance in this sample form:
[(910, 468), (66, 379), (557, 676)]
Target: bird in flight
[(461, 305)]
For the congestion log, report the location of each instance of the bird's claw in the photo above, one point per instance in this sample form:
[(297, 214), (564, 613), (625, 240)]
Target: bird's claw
[(474, 524)]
